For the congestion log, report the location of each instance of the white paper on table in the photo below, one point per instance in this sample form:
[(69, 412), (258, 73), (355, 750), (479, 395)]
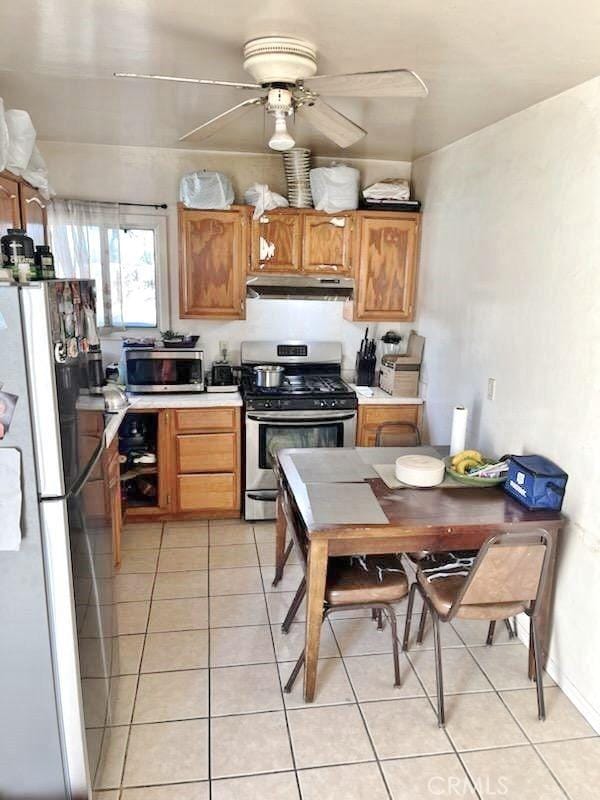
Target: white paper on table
[(11, 498)]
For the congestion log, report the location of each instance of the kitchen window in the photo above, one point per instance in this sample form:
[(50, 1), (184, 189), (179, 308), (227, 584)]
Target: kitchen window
[(125, 254)]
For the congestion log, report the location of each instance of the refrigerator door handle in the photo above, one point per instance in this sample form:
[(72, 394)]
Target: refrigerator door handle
[(92, 464), (42, 391)]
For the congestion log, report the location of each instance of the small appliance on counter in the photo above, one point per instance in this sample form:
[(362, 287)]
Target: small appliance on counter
[(222, 379), (399, 375), (366, 361), (157, 369)]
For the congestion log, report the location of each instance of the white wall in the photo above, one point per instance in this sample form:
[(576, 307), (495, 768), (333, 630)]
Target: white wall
[(151, 175), (510, 289)]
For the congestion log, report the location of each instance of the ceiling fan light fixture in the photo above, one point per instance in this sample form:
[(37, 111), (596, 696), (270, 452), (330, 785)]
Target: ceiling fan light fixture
[(281, 139)]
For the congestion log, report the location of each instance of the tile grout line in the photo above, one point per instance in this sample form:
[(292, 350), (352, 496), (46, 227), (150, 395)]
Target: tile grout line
[(137, 685), (434, 708), (528, 739), (285, 709), (360, 711)]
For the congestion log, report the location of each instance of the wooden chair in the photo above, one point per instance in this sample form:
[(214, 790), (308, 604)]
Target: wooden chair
[(397, 434), (351, 583), (508, 577)]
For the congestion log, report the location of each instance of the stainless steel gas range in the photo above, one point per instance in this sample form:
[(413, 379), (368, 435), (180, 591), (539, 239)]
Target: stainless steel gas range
[(312, 407)]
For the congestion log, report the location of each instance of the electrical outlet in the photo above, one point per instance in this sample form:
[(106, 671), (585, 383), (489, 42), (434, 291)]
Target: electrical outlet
[(491, 390)]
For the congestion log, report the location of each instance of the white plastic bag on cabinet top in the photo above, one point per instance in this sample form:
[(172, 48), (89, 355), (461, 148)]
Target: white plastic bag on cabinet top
[(263, 199), (36, 174), (21, 140), (335, 188), (3, 137), (206, 189)]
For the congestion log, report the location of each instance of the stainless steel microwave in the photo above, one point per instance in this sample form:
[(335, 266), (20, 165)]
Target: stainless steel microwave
[(164, 370)]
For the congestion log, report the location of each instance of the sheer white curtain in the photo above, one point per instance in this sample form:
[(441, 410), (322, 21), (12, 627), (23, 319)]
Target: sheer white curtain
[(85, 240)]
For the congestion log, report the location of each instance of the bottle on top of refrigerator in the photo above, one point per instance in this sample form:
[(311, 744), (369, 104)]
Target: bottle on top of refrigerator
[(44, 263), (17, 254)]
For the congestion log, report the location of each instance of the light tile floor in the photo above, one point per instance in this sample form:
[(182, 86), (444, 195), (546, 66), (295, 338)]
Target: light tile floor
[(198, 710)]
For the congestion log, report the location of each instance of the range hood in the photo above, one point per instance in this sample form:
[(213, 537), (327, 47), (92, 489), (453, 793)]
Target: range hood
[(299, 287)]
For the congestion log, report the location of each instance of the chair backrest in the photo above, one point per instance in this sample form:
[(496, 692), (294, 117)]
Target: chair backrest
[(293, 526), (510, 567), (397, 434)]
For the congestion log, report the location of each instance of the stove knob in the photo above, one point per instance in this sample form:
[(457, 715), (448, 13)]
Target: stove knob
[(333, 404), (267, 404), (323, 403)]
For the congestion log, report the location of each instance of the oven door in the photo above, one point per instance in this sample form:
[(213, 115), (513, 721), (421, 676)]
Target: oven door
[(267, 432), (157, 371)]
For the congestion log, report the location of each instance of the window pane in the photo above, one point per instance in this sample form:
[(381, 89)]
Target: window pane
[(138, 277), (95, 257)]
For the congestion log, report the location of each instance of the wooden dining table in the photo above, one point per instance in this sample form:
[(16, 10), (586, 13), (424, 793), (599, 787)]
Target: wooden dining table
[(435, 519)]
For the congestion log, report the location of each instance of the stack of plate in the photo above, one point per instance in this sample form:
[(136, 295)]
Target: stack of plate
[(296, 163)]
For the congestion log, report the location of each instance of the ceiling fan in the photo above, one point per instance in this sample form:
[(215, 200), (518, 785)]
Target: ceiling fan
[(284, 69)]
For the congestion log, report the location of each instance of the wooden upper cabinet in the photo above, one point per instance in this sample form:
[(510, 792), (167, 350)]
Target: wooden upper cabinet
[(327, 243), (212, 253), (276, 242), (34, 213), (10, 214), (386, 268)]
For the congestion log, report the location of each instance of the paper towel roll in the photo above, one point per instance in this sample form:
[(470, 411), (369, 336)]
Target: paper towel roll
[(458, 436)]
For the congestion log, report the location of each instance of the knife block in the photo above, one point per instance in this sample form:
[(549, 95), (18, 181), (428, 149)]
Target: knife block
[(365, 369)]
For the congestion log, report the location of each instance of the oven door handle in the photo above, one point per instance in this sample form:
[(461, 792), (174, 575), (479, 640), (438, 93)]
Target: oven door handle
[(291, 422), (264, 496)]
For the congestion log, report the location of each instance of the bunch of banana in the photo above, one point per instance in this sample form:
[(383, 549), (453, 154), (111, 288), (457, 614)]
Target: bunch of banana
[(467, 460)]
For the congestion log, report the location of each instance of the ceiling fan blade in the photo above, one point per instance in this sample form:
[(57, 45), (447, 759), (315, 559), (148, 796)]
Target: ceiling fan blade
[(332, 123), (201, 81), (215, 124), (379, 83)]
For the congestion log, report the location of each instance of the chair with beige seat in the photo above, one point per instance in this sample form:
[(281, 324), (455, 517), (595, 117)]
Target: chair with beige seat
[(375, 582), (508, 577)]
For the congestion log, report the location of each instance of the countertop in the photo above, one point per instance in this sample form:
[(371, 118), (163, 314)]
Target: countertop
[(185, 400), (157, 401), (383, 398)]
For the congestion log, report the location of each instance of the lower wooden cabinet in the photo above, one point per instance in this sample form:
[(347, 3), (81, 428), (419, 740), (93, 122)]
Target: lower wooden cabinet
[(198, 464), (370, 417), (207, 461), (113, 490), (208, 493)]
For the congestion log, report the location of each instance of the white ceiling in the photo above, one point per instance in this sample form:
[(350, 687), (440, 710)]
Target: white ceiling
[(481, 59)]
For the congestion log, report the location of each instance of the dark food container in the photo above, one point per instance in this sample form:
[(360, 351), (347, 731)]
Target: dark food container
[(17, 249), (44, 263), (536, 482)]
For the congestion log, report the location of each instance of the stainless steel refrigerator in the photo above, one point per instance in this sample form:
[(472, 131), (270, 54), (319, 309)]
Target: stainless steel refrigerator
[(57, 650)]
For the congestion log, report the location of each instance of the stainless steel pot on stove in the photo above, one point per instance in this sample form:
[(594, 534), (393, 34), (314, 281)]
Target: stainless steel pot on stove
[(268, 376)]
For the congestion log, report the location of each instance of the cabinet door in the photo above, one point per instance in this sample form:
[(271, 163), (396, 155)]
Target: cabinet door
[(370, 417), (276, 241), (10, 215), (212, 251), (387, 266), (327, 243), (34, 213)]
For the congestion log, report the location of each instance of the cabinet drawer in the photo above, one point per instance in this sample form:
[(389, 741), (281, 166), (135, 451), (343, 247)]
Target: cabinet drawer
[(207, 492), (190, 420), (377, 415), (207, 452)]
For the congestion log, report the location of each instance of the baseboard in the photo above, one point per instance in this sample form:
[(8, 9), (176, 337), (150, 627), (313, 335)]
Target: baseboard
[(553, 669)]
